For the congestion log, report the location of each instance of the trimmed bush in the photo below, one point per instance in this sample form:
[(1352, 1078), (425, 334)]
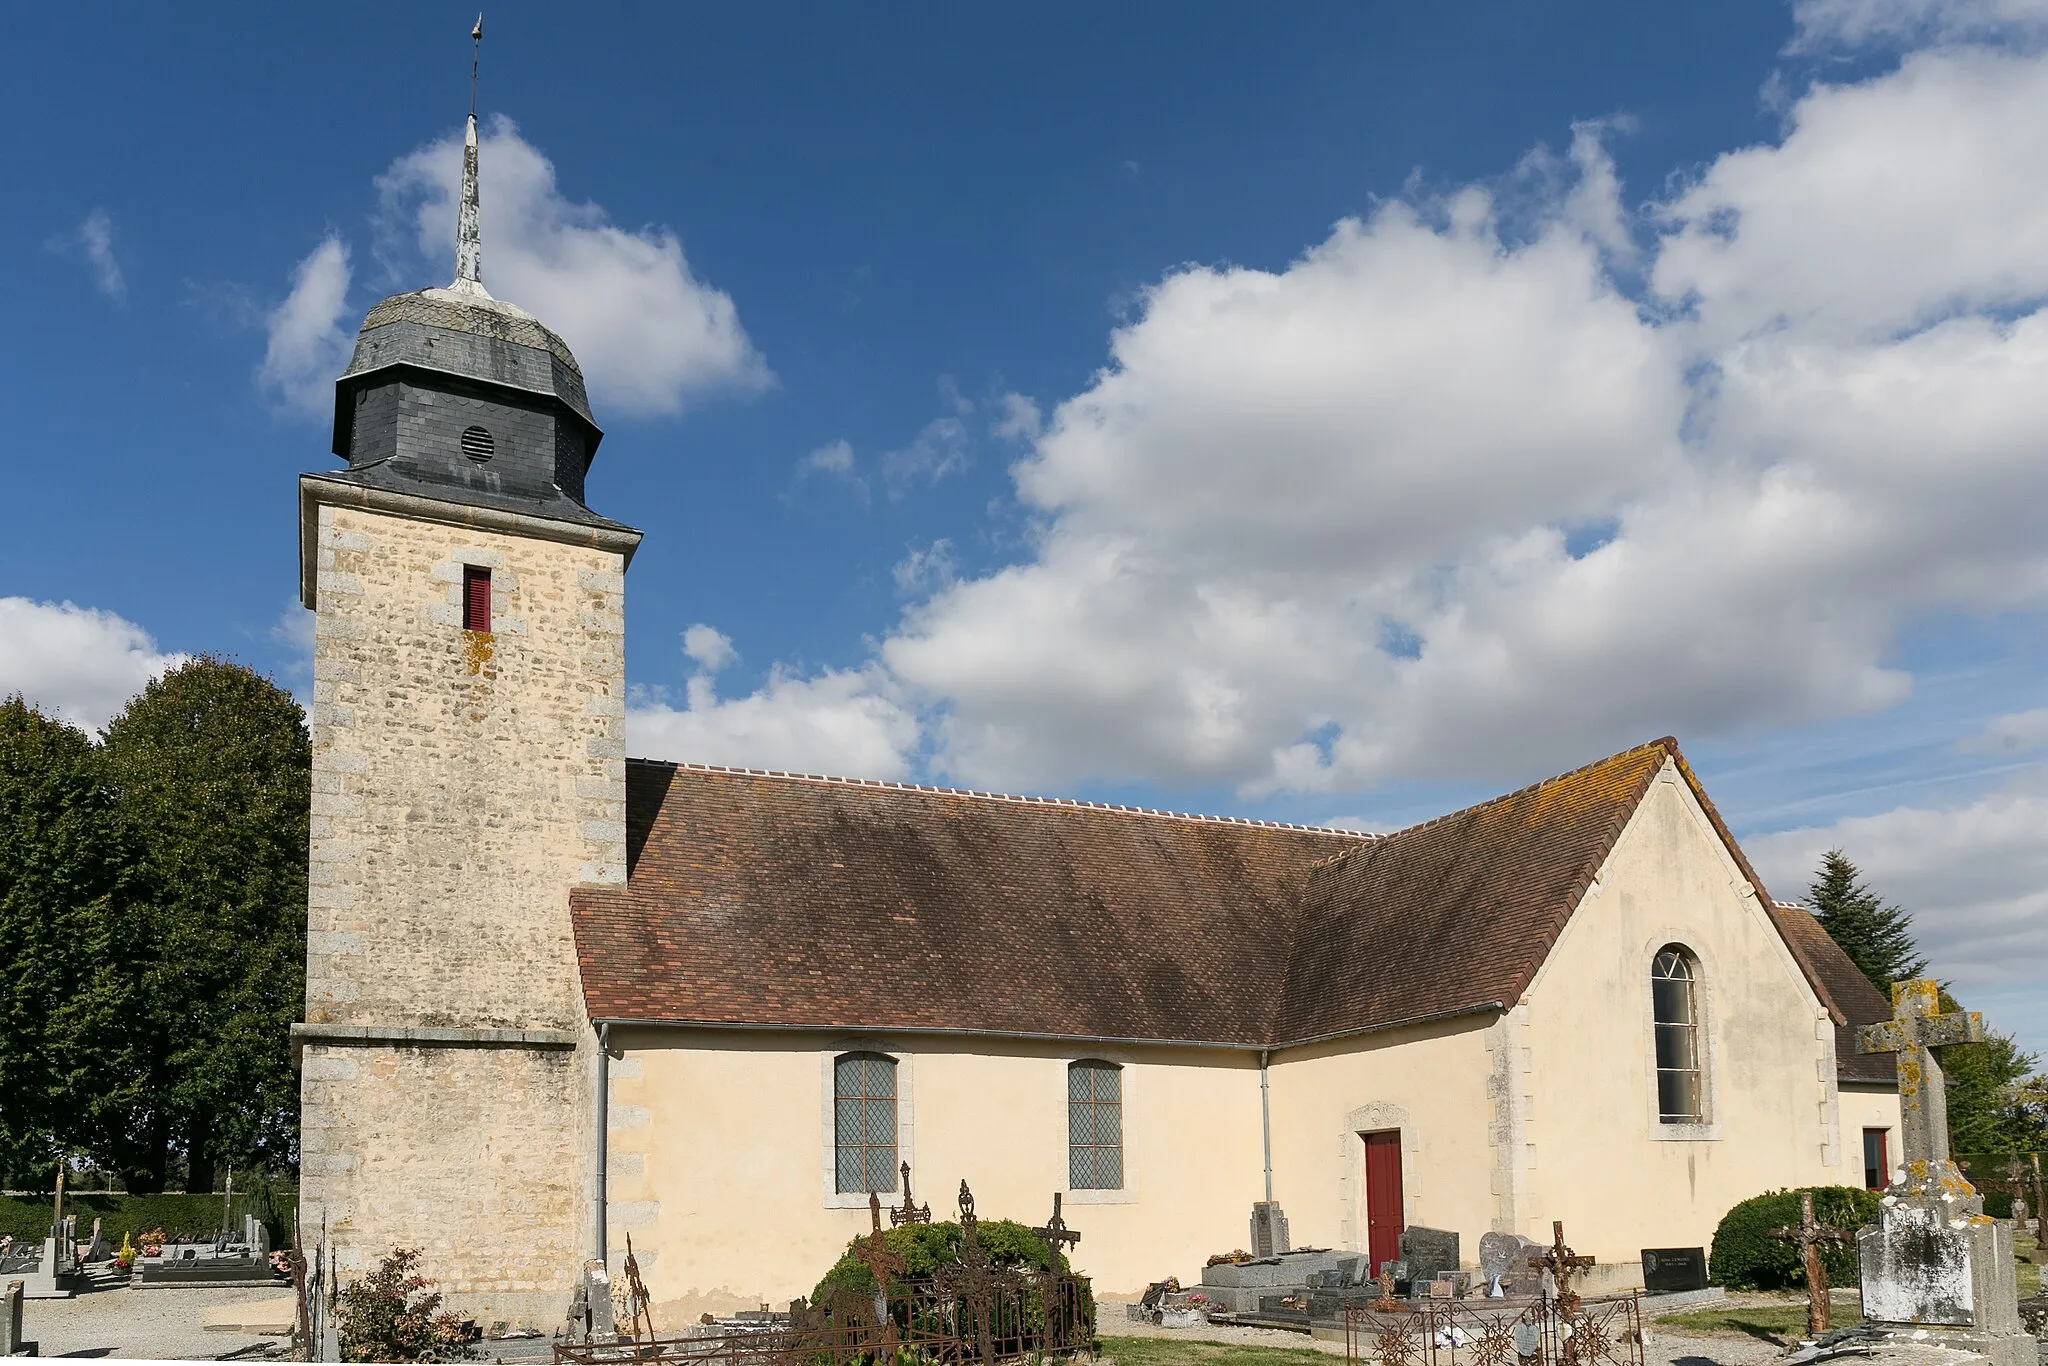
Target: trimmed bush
[(28, 1217), (1746, 1257), (925, 1248)]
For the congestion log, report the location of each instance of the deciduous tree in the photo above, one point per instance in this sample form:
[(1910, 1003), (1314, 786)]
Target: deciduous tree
[(210, 765), (62, 875)]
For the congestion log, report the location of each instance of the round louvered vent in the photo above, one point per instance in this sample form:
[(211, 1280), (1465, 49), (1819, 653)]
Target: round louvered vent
[(476, 444)]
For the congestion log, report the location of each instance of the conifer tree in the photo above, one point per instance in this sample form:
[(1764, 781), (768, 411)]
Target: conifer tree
[(1878, 938)]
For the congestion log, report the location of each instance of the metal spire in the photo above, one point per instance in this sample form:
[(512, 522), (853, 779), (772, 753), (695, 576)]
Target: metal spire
[(469, 251)]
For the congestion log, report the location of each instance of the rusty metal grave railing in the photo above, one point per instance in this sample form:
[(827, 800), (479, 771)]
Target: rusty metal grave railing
[(972, 1311), (1593, 1331)]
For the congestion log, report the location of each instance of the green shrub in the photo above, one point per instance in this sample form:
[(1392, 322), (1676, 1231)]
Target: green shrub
[(1746, 1257), (925, 1248)]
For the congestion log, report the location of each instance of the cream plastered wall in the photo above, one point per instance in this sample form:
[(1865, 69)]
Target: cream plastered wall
[(1431, 1083), (721, 1160), (1594, 1153), (1868, 1107), (462, 783)]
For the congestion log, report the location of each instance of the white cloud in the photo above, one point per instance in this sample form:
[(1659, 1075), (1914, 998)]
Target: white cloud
[(1019, 420), (834, 457), (650, 335), (96, 237), (2015, 734), (1974, 877), (834, 461), (75, 662), (1822, 24), (310, 333), (839, 722), (926, 570), (1889, 203), (708, 647), (941, 447), (1439, 500)]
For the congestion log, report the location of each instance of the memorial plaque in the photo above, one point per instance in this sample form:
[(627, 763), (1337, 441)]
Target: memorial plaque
[(1429, 1252), (1670, 1269)]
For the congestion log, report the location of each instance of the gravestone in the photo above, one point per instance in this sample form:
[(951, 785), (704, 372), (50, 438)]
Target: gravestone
[(1429, 1252), (1935, 1266), (1668, 1270), (49, 1277), (11, 1343), (1504, 1264), (1269, 1230)]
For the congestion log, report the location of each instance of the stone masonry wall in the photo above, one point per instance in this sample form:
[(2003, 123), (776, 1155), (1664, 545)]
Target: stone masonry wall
[(462, 783)]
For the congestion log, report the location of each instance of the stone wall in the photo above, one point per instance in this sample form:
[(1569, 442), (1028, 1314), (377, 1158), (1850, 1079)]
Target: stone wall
[(462, 783)]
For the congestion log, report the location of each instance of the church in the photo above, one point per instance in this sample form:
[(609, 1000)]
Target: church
[(557, 998)]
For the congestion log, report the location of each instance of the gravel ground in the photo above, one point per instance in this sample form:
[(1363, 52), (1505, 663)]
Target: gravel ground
[(151, 1325)]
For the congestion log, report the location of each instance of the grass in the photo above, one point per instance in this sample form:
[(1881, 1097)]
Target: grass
[(2029, 1273), (1782, 1322), (1167, 1352)]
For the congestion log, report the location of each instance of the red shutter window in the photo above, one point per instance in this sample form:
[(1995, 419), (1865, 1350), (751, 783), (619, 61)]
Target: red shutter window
[(476, 598)]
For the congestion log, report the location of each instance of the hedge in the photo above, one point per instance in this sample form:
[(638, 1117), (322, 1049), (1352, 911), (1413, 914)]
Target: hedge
[(28, 1217), (1746, 1257)]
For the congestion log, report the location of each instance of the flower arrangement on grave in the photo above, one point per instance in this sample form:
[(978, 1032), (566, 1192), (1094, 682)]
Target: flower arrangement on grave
[(281, 1262), (152, 1243), (124, 1257), (1237, 1256)]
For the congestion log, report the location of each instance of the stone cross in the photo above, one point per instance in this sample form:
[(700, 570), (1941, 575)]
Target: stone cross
[(909, 1212), (1561, 1262), (1808, 1236), (1056, 1233), (1916, 1029)]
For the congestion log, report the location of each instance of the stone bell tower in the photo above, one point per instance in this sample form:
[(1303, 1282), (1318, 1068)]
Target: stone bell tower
[(468, 770)]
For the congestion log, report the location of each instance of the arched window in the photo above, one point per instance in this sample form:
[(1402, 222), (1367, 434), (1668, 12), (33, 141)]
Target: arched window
[(1675, 999), (1095, 1126), (864, 1122)]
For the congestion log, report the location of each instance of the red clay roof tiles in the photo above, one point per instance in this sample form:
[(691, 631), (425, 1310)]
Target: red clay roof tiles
[(793, 901)]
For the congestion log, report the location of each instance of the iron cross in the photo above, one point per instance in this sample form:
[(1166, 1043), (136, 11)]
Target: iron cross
[(1808, 1237), (1561, 1262), (909, 1212), (1916, 1029), (1055, 1233)]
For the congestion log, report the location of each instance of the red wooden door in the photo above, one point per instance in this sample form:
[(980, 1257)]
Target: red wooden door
[(1383, 1197)]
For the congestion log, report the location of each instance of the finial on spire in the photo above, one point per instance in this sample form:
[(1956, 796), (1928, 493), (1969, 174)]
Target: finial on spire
[(469, 251)]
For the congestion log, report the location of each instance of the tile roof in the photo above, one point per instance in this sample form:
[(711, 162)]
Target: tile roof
[(1856, 998), (797, 901)]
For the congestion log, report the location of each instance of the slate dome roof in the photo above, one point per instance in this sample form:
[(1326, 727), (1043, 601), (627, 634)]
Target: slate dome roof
[(461, 330)]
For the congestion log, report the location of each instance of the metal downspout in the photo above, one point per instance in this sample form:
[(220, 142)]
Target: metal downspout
[(604, 1111), (1266, 1122)]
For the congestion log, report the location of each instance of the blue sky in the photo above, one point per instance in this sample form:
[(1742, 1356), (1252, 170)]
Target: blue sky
[(1326, 412)]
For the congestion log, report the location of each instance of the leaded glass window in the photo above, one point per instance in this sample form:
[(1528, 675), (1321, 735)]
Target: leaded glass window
[(1095, 1126), (864, 1122), (1674, 997)]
